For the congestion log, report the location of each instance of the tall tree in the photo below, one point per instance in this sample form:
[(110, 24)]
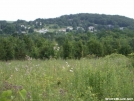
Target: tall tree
[(95, 47), (20, 49), (67, 49), (78, 50), (6, 49), (125, 49)]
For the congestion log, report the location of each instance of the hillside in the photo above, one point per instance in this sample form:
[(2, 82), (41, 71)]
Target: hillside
[(82, 21), (85, 19)]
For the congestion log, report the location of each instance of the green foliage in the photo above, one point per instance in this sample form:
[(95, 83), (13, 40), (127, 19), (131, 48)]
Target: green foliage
[(131, 56), (125, 50), (23, 94), (20, 49), (95, 48), (71, 45), (6, 49), (78, 48), (6, 95), (9, 29), (67, 49), (115, 55)]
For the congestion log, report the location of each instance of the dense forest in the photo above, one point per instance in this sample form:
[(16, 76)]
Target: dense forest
[(86, 20), (85, 35)]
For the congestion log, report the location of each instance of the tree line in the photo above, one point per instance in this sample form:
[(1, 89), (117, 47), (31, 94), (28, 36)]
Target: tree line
[(66, 46)]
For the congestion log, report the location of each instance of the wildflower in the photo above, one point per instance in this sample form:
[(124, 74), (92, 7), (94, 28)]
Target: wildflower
[(71, 70), (16, 69), (28, 58), (37, 65), (11, 76), (67, 64), (63, 67)]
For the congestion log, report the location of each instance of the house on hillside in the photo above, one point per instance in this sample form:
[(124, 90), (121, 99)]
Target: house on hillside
[(110, 26), (91, 28), (40, 23), (70, 28), (80, 28), (62, 30), (23, 26), (121, 28), (23, 32), (42, 31)]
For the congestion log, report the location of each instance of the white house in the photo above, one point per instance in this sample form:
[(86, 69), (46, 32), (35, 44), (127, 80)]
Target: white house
[(70, 27), (62, 30), (91, 28), (80, 28), (121, 28), (22, 25), (43, 31)]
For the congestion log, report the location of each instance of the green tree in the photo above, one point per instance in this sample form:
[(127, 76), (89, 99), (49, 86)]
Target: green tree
[(6, 49), (78, 50), (94, 47), (20, 49), (9, 29), (31, 30), (125, 49), (29, 44), (67, 49), (107, 48), (46, 51)]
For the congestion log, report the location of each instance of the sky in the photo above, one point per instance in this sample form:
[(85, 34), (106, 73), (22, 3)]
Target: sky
[(12, 10)]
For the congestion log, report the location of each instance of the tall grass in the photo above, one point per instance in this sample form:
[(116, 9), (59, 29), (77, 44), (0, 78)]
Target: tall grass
[(68, 80)]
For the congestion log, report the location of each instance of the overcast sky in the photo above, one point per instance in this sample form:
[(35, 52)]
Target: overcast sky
[(32, 9)]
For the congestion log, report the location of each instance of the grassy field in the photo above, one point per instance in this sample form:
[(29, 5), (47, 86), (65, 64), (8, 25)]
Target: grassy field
[(67, 80)]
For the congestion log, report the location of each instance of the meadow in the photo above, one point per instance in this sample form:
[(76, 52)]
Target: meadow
[(67, 80)]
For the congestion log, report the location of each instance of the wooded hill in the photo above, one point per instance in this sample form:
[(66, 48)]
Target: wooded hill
[(86, 20), (75, 21)]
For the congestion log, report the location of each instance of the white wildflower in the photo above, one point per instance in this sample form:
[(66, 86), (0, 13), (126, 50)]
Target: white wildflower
[(67, 64), (63, 67), (71, 70), (16, 69)]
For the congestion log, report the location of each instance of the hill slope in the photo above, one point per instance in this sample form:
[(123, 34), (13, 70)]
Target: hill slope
[(85, 20), (82, 20)]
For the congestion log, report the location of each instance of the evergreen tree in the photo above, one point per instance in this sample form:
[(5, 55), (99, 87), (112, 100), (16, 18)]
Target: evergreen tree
[(125, 50), (67, 49), (78, 50), (95, 48), (46, 51), (20, 49), (6, 49)]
